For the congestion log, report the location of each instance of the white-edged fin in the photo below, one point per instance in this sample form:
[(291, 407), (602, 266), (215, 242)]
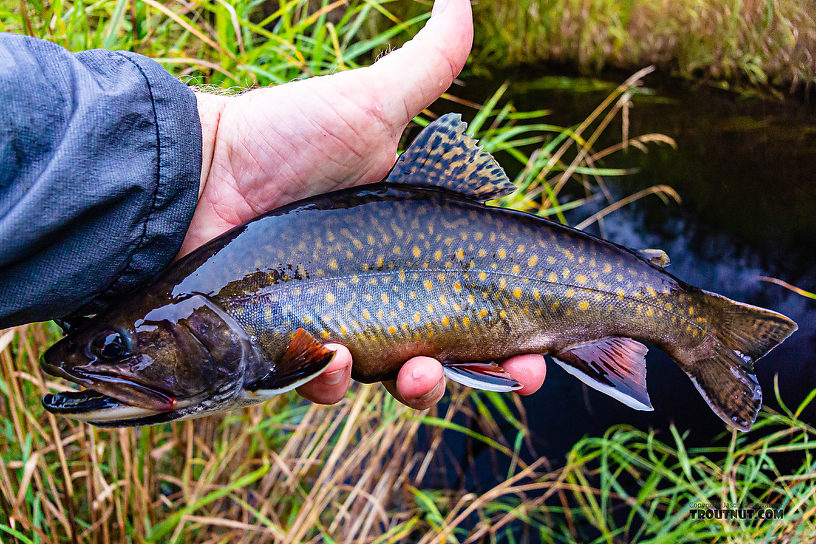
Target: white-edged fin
[(615, 366), (304, 359), (485, 376), (444, 156)]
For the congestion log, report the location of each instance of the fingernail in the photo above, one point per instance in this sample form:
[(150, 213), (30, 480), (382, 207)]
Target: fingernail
[(334, 377), (438, 6), (430, 395)]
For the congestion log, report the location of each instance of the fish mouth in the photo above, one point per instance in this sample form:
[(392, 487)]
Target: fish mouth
[(109, 400)]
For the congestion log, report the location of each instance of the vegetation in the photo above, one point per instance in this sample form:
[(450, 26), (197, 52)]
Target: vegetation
[(367, 469)]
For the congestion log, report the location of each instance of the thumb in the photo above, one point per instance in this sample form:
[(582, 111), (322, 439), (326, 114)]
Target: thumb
[(408, 80)]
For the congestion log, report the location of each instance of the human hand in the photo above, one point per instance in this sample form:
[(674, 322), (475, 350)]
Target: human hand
[(327, 133)]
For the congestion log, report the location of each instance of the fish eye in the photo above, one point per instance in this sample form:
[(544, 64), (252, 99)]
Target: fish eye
[(109, 345)]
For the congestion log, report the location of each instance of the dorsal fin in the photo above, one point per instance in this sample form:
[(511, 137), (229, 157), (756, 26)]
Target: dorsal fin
[(657, 257), (444, 156), (615, 366)]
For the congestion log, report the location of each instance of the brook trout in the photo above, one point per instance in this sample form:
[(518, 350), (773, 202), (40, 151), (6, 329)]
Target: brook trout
[(414, 265)]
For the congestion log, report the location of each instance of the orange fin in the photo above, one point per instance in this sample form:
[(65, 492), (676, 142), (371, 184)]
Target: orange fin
[(444, 156), (304, 359), (615, 366), (486, 376)]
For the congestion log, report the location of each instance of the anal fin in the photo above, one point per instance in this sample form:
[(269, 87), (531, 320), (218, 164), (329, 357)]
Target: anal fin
[(486, 376), (304, 359), (615, 366)]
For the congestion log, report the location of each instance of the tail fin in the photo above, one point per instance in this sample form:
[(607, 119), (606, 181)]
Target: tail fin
[(722, 367)]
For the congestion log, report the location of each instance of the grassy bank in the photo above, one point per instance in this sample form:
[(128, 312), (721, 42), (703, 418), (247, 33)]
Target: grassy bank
[(745, 42), (367, 469)]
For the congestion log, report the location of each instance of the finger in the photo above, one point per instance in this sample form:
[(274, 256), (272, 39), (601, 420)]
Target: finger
[(330, 386), (528, 370), (409, 79), (420, 383)]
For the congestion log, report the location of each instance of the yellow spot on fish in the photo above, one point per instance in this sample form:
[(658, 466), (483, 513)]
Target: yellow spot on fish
[(568, 254), (532, 261), (482, 275), (441, 277), (483, 313), (565, 273), (551, 260), (460, 254), (553, 277), (429, 307), (448, 241), (478, 236), (330, 298), (652, 292), (385, 298), (366, 314), (583, 305), (619, 277), (402, 274), (521, 249), (416, 252), (580, 278), (501, 254), (517, 292), (397, 250), (691, 310), (515, 269), (343, 330), (445, 321), (482, 253), (400, 304), (649, 311), (466, 321), (438, 255), (668, 306), (536, 294), (471, 299), (392, 329), (502, 283), (555, 305), (333, 264), (412, 295), (368, 297), (428, 285), (325, 333), (268, 313), (457, 287), (372, 281), (380, 261), (355, 279), (570, 293), (417, 317), (380, 314)]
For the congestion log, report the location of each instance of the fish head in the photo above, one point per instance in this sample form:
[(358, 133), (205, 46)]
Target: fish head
[(175, 361)]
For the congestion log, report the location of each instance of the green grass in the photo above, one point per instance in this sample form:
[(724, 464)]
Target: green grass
[(758, 43), (288, 471)]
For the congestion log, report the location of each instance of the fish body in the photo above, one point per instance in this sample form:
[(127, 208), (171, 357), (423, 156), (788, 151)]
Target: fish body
[(419, 265)]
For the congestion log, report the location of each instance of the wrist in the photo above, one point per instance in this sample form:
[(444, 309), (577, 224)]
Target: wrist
[(210, 107)]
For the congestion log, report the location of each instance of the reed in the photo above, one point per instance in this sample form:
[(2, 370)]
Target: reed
[(367, 469)]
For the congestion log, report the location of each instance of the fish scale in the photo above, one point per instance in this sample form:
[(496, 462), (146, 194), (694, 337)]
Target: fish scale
[(452, 285), (414, 265)]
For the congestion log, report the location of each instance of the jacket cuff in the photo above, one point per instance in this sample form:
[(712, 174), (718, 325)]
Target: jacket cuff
[(178, 133)]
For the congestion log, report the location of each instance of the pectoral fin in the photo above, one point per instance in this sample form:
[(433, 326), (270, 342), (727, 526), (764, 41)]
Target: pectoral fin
[(486, 376), (615, 366), (304, 359)]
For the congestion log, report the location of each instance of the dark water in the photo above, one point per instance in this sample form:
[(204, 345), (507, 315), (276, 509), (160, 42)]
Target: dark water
[(746, 171)]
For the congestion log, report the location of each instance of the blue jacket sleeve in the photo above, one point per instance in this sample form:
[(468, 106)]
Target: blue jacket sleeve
[(100, 159)]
